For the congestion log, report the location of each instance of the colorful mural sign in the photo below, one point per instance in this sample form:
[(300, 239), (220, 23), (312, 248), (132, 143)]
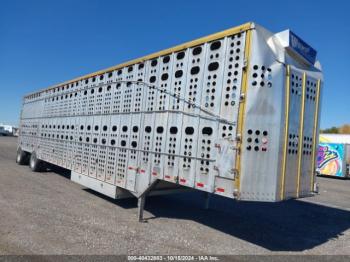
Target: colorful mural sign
[(330, 159)]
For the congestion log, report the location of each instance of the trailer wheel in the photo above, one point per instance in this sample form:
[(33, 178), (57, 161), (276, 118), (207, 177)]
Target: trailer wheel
[(35, 164), (22, 157)]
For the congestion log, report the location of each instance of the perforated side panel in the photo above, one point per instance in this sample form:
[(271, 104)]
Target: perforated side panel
[(293, 134), (112, 150), (159, 119), (307, 139), (103, 148), (195, 73), (175, 118)]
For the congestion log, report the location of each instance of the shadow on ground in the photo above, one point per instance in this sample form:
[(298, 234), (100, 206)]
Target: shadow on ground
[(286, 226), (56, 169)]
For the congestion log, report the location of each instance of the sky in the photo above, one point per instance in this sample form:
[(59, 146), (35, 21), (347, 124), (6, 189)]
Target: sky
[(45, 42)]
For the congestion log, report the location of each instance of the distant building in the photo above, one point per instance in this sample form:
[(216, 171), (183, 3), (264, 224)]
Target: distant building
[(8, 130), (335, 138), (333, 158)]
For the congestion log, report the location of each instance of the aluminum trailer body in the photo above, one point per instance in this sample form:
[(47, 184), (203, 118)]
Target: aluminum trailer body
[(333, 159), (235, 114)]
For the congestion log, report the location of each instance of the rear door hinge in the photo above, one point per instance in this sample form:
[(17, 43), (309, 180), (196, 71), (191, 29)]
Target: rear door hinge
[(242, 97), (245, 64)]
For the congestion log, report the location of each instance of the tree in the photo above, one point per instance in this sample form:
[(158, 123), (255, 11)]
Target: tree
[(332, 130), (344, 129)]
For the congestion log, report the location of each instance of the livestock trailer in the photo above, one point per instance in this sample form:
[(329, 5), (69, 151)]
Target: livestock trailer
[(235, 113), (333, 160)]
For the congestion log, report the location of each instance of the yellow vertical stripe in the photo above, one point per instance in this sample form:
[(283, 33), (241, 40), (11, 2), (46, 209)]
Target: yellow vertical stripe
[(301, 134), (314, 136), (247, 52), (286, 129)]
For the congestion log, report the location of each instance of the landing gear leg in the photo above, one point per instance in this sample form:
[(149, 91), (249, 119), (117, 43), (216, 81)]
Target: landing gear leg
[(207, 200), (141, 205)]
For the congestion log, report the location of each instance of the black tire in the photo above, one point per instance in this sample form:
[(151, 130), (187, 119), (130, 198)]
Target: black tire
[(22, 157), (35, 164)]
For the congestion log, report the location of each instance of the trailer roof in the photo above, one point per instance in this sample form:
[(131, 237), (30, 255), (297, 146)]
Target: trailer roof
[(230, 31)]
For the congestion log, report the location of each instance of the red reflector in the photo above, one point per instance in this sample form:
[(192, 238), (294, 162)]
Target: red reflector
[(167, 176), (142, 171), (182, 180), (219, 189), (200, 184), (131, 168), (154, 173)]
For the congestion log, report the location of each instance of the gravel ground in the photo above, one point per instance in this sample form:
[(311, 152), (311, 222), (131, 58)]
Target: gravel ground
[(46, 213)]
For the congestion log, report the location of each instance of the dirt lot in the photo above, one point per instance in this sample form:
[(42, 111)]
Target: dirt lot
[(46, 213)]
